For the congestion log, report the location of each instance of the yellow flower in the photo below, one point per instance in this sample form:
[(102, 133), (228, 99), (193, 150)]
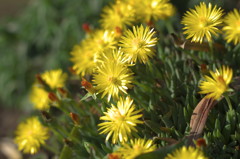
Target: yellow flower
[(216, 85), (135, 148), (39, 97), (232, 27), (186, 153), (112, 77), (119, 14), (138, 44), (84, 59), (114, 55), (102, 40), (54, 78), (149, 10), (202, 21), (120, 120), (30, 135)]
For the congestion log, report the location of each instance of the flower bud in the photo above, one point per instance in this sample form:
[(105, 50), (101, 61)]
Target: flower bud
[(40, 80), (113, 156), (201, 142), (88, 86), (75, 118), (71, 70), (86, 27), (62, 92), (203, 69), (53, 97)]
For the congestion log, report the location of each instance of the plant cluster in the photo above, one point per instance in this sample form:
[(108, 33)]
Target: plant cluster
[(134, 91)]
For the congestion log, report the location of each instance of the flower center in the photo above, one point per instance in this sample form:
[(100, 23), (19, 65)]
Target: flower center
[(117, 116), (203, 22), (137, 44), (113, 80)]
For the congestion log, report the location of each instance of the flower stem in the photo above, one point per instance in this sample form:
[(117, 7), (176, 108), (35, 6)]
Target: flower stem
[(228, 101), (67, 151)]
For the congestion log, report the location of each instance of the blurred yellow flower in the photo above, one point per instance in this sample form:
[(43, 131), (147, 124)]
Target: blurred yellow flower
[(149, 10), (186, 153), (119, 14), (202, 22), (112, 77), (232, 27), (84, 59), (102, 40), (54, 78), (120, 120), (138, 44), (39, 98), (135, 148), (216, 85), (30, 135), (115, 55)]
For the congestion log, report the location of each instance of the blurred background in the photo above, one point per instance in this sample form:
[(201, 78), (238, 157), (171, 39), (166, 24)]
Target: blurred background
[(36, 35)]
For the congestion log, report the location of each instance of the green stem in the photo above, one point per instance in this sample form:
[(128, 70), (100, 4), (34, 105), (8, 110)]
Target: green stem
[(228, 102), (169, 26), (212, 51), (67, 152)]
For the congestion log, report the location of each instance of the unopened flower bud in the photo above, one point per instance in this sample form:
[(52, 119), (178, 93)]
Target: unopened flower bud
[(62, 91), (68, 142), (52, 97), (113, 156), (87, 85), (40, 80), (86, 27), (75, 118), (201, 142), (150, 24), (72, 71), (118, 31), (203, 68)]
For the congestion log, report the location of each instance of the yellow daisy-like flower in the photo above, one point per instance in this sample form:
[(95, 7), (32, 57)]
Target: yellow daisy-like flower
[(232, 27), (135, 148), (149, 10), (186, 153), (112, 77), (216, 85), (202, 22), (138, 44), (39, 97), (119, 14), (54, 78), (120, 120), (30, 135), (114, 55), (102, 40), (84, 59)]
